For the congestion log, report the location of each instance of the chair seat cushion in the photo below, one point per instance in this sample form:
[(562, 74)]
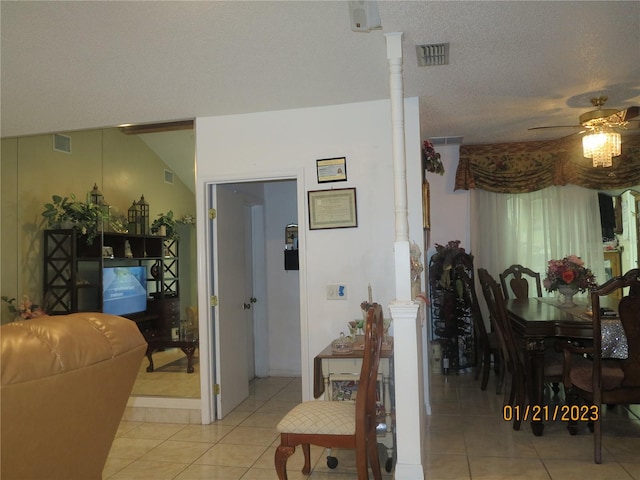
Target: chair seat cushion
[(611, 377), (320, 417)]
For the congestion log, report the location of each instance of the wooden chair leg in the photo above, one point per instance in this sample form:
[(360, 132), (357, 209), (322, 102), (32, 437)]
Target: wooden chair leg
[(597, 441), (306, 450), (501, 375), (283, 453), (486, 368), (521, 397), (374, 457), (572, 399)]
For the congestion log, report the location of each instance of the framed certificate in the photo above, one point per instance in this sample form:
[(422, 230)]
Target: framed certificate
[(332, 170), (332, 208)]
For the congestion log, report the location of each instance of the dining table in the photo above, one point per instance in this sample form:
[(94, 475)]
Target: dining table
[(536, 319)]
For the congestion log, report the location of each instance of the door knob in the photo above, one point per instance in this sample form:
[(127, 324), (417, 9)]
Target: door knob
[(246, 306), (253, 300)]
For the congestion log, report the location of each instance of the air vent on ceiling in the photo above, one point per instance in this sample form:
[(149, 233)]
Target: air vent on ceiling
[(434, 54), (168, 176), (446, 140), (61, 143)]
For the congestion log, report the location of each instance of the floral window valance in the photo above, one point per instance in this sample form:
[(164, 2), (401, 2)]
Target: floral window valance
[(530, 166)]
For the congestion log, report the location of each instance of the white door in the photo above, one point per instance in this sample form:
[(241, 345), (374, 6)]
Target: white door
[(230, 319)]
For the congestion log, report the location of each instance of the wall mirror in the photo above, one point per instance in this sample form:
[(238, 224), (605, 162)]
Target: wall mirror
[(157, 162)]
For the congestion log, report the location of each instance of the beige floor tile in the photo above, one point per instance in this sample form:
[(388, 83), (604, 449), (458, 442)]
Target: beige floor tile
[(234, 418), (467, 439), (580, 470), (203, 433), (633, 469), (504, 468), (149, 470), (446, 442), (212, 472), (114, 465), (250, 436), (132, 448), (259, 419), (160, 431), (176, 452), (447, 467), (231, 455)]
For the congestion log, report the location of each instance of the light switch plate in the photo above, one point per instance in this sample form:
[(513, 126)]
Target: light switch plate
[(336, 291)]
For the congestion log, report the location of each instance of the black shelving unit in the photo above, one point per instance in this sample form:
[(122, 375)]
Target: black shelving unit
[(73, 272), (451, 316)]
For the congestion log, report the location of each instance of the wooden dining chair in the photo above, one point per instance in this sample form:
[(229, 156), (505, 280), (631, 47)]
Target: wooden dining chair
[(519, 284), (487, 345), (511, 357), (604, 380), (338, 424)]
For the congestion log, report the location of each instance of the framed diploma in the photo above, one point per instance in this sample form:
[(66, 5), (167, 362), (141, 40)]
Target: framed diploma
[(332, 170), (332, 208)]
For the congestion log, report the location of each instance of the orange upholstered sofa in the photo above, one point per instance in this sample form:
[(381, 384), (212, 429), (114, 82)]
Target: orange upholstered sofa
[(65, 381)]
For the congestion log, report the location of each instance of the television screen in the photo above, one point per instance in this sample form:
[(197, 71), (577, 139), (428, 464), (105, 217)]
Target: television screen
[(124, 290)]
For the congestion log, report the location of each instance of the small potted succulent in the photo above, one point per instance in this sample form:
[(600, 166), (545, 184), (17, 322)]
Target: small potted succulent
[(165, 225)]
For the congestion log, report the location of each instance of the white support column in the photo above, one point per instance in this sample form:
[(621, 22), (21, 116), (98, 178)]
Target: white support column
[(401, 245), (408, 375), (409, 388)]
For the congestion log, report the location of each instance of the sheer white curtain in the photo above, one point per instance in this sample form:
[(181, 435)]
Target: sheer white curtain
[(532, 228)]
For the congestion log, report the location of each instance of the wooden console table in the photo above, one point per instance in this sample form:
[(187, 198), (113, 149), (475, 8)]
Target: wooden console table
[(331, 371), (187, 343)]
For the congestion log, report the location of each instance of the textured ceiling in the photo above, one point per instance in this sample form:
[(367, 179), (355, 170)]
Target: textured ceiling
[(513, 65)]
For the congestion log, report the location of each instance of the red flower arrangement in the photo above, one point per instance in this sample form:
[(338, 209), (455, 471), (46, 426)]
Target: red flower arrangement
[(431, 159), (24, 310), (569, 271)]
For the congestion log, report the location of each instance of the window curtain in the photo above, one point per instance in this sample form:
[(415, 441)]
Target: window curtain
[(528, 166), (533, 228)]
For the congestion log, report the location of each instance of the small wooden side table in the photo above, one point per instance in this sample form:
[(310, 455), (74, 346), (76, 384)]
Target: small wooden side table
[(187, 343)]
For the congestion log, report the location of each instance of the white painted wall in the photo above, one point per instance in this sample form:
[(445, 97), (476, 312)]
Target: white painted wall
[(283, 286), (450, 211), (271, 144)]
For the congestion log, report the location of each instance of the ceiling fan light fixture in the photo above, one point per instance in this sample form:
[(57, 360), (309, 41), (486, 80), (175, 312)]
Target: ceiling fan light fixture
[(601, 145)]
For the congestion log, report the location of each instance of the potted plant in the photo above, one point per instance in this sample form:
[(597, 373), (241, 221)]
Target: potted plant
[(83, 216), (165, 225)]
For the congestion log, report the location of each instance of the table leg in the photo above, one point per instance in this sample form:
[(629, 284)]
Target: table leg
[(534, 358), (189, 351), (148, 354)]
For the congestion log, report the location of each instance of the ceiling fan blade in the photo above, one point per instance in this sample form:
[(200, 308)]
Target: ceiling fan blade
[(556, 126), (629, 113)]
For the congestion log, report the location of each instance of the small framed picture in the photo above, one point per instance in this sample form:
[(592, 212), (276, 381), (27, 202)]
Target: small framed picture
[(332, 208), (332, 169)]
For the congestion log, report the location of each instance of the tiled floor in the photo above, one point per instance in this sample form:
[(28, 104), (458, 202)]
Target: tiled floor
[(467, 439), (170, 377)]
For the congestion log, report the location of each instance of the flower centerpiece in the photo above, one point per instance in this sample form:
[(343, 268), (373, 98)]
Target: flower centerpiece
[(568, 276), (24, 310)]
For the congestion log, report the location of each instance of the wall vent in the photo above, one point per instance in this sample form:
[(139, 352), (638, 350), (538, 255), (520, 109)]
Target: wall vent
[(434, 54), (61, 143), (168, 176), (446, 140)]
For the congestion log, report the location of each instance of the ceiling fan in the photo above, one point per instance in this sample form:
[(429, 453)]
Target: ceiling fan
[(602, 127), (601, 117)]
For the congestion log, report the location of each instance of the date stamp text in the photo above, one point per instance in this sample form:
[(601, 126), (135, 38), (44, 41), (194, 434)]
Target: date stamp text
[(551, 413)]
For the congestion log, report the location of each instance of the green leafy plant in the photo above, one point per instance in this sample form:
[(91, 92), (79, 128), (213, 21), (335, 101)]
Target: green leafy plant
[(56, 211), (84, 216), (168, 222)]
